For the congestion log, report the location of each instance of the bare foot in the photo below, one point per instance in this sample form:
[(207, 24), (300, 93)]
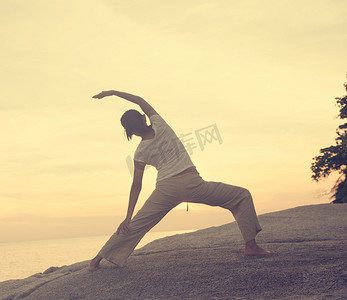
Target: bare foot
[(252, 249)]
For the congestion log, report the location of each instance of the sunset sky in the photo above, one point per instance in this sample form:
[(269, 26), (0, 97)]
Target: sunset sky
[(265, 73)]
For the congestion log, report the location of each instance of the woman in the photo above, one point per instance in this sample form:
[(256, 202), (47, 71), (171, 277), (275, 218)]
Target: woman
[(177, 181)]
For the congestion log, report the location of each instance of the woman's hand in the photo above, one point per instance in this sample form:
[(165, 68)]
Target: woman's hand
[(104, 94), (124, 226)]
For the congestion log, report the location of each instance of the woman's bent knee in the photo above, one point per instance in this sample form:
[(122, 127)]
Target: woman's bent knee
[(247, 193), (242, 198)]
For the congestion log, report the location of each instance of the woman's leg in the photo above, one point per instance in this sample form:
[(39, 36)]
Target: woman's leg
[(119, 247), (234, 198)]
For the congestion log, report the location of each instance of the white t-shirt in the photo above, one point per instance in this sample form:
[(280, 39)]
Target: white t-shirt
[(165, 151)]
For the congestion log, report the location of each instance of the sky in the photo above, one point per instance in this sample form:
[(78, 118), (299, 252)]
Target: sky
[(265, 74)]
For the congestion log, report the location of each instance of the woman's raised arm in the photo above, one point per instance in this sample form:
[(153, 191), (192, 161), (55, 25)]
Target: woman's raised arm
[(145, 106)]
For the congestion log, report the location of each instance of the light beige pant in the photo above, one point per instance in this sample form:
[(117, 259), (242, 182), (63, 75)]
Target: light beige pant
[(170, 192)]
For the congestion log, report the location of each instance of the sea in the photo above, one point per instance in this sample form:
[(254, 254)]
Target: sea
[(23, 259)]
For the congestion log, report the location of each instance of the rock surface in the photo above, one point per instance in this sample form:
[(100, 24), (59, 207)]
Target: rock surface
[(209, 264)]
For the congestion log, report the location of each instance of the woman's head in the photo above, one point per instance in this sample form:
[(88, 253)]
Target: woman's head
[(134, 123)]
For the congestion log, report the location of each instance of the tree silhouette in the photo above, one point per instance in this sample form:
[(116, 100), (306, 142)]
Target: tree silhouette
[(334, 158)]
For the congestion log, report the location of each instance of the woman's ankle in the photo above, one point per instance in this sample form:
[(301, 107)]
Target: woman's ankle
[(96, 260), (251, 244)]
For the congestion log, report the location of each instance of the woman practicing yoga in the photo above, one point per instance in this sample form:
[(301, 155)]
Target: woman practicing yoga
[(177, 181)]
